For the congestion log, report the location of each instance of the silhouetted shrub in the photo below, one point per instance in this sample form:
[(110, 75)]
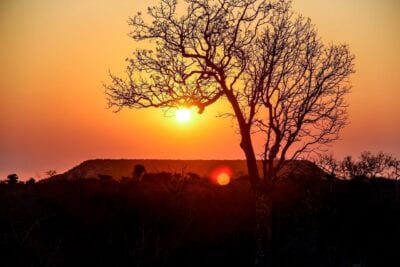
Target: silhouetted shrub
[(12, 179), (368, 165), (50, 173), (31, 181), (138, 171)]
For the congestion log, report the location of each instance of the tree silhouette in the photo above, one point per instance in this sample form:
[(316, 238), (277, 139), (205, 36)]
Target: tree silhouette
[(330, 165), (50, 173), (376, 165), (12, 179), (280, 80), (138, 171), (31, 181), (368, 165)]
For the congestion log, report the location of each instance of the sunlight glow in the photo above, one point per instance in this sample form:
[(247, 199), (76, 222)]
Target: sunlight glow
[(183, 115), (221, 175), (223, 179)]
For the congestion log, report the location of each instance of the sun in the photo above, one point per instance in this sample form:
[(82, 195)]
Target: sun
[(183, 115)]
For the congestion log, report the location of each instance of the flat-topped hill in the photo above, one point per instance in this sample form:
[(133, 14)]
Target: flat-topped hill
[(119, 168)]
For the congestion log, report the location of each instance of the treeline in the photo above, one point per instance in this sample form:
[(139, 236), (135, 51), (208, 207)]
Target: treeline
[(350, 219), (368, 165), (160, 221), (13, 179), (155, 221)]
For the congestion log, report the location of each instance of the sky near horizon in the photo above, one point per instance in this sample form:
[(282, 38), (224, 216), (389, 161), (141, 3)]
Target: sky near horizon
[(55, 55)]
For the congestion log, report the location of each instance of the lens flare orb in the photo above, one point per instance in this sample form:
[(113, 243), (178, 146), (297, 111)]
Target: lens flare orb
[(223, 179), (221, 175)]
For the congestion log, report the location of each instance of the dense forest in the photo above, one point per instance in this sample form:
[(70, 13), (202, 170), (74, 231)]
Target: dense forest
[(160, 220)]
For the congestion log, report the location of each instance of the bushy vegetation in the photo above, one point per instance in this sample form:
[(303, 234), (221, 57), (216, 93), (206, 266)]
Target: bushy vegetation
[(162, 221), (368, 165)]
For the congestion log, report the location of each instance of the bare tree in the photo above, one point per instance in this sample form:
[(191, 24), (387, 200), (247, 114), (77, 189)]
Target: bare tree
[(350, 168), (367, 165), (395, 169), (395, 172), (330, 165), (374, 165), (50, 173), (280, 80)]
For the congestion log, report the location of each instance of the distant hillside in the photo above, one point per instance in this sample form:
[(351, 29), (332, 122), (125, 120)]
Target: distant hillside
[(118, 168)]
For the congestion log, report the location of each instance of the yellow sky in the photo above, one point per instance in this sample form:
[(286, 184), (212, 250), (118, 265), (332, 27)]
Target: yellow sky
[(56, 54)]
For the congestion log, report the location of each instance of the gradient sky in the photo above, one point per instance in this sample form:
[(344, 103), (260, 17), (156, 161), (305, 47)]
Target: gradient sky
[(56, 54)]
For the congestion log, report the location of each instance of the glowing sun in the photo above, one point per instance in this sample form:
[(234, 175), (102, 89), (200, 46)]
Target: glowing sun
[(183, 115)]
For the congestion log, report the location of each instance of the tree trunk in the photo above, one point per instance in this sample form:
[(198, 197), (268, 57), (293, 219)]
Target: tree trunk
[(262, 197), (251, 160), (263, 226)]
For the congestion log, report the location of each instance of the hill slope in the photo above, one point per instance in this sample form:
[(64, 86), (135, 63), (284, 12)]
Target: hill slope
[(118, 168)]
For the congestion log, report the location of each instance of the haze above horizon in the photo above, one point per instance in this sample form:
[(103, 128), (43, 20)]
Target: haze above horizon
[(56, 54)]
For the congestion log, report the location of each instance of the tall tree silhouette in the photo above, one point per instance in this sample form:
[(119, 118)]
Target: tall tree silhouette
[(266, 61)]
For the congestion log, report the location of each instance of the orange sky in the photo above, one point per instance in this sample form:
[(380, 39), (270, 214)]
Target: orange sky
[(56, 54)]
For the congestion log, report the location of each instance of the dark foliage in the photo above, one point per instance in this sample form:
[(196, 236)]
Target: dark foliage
[(12, 179), (368, 165), (163, 221), (138, 171), (30, 181)]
